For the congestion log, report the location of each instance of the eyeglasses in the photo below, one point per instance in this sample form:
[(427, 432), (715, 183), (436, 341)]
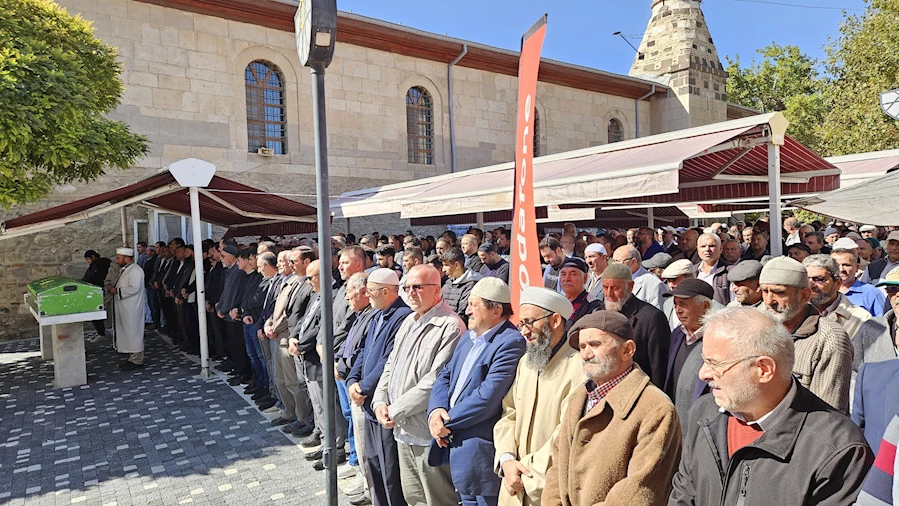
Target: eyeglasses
[(530, 323), (819, 280), (374, 291), (721, 369), (892, 289), (416, 288)]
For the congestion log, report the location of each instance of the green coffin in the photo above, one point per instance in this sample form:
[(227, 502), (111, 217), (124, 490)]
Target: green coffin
[(56, 295)]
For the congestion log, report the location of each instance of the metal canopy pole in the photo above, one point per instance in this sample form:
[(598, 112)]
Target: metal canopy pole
[(650, 218), (776, 240), (195, 228), (324, 241), (124, 227)]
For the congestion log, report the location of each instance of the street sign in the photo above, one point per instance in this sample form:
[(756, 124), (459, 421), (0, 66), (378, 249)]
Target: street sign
[(315, 26), (889, 102)]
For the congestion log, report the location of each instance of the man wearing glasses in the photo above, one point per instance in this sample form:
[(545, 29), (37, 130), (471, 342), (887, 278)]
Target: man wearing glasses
[(823, 361), (761, 437), (424, 343), (546, 377), (381, 461), (467, 397), (824, 281)]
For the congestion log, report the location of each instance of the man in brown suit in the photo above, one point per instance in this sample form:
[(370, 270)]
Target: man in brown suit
[(620, 438)]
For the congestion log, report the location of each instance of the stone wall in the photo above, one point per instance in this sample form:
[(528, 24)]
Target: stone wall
[(184, 90)]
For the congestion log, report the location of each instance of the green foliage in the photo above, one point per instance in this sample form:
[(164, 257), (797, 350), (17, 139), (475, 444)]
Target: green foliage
[(808, 217), (784, 80), (862, 63), (56, 82)]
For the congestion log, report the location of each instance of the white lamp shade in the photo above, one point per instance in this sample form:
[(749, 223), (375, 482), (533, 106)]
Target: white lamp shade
[(192, 172)]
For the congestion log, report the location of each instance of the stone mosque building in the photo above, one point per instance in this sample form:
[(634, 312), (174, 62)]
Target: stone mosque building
[(220, 80)]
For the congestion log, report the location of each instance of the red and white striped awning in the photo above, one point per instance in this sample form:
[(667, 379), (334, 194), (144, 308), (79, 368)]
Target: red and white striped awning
[(863, 166)]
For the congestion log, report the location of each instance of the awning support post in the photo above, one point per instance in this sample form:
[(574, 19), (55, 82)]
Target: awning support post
[(775, 243), (124, 227), (197, 231), (650, 218), (480, 220)]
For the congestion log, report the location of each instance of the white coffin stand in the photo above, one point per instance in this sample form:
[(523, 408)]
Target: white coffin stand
[(62, 341)]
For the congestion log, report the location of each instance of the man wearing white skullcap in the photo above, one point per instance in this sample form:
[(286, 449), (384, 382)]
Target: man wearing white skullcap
[(546, 377), (129, 299), (597, 258), (466, 400)]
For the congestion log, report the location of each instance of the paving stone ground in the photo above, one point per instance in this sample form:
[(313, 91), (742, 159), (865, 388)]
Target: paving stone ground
[(159, 435)]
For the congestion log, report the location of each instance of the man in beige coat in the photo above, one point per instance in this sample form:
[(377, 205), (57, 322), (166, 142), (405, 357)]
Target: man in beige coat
[(424, 344), (546, 376), (620, 440)]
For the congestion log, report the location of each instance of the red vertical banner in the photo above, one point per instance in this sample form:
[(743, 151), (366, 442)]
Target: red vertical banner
[(525, 262)]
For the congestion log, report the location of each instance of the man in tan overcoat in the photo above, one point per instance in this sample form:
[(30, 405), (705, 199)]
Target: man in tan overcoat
[(620, 439), (534, 407)]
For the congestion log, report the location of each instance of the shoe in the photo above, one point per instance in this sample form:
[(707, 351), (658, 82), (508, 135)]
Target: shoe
[(245, 380), (260, 394), (303, 430), (234, 381), (316, 455), (347, 471), (130, 366), (97, 338), (271, 410), (151, 326), (266, 404), (320, 464), (360, 499), (356, 487), (279, 421), (252, 388), (311, 441)]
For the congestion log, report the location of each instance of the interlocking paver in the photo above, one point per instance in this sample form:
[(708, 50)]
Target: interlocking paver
[(157, 435)]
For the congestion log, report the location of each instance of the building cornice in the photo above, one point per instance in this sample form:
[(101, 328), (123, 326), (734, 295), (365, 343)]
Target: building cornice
[(376, 34)]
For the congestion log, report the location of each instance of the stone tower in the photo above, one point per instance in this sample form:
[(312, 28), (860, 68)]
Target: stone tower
[(678, 51)]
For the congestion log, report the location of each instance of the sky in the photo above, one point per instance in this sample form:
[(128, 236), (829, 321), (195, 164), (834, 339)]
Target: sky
[(580, 31)]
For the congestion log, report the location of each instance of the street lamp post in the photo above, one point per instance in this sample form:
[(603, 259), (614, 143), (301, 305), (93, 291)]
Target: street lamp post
[(315, 24)]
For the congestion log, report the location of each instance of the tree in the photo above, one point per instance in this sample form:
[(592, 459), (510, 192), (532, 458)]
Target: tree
[(785, 80), (862, 63), (56, 82)]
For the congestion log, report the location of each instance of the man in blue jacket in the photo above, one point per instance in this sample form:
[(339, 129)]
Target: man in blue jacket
[(466, 400), (381, 461)]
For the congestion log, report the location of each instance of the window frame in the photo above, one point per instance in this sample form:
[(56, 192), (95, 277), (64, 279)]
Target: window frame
[(260, 120), (419, 126), (620, 131)]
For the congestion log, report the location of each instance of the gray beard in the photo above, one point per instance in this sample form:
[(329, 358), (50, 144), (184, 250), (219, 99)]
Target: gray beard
[(540, 353), (616, 306)]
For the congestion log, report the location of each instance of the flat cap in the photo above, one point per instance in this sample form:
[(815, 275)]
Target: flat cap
[(617, 271), (384, 277), (891, 279), (575, 263), (784, 271), (230, 249), (830, 230), (874, 242), (493, 289), (894, 236), (798, 245), (745, 270), (612, 322), (867, 228), (549, 300), (678, 268), (691, 288), (658, 261)]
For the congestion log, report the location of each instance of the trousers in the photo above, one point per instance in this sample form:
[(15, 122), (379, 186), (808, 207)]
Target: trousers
[(291, 389), (358, 415), (422, 484), (343, 399), (238, 347), (383, 465), (254, 352)]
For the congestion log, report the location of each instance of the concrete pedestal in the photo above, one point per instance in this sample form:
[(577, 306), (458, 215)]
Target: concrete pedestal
[(46, 342), (69, 365), (62, 340)]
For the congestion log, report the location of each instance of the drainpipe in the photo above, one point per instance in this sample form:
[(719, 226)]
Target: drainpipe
[(452, 120), (637, 108)]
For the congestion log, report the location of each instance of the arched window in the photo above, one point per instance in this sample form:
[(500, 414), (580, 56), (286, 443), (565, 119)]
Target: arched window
[(420, 125), (536, 134), (266, 119), (616, 130)]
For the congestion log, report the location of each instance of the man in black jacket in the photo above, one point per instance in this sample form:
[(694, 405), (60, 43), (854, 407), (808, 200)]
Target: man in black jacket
[(233, 326), (215, 282), (651, 330), (248, 311), (302, 343), (761, 438), (97, 269)]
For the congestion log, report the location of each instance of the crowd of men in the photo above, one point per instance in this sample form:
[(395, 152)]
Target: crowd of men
[(670, 366)]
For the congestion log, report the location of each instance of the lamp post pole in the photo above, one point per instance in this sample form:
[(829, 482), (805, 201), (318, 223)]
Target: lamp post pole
[(315, 25)]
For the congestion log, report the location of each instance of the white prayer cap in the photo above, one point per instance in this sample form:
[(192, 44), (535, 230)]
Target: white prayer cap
[(845, 243), (384, 277), (550, 300), (867, 228), (597, 247), (128, 252), (493, 289)]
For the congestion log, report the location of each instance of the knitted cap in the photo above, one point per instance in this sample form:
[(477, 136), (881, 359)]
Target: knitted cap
[(617, 271), (784, 271)]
